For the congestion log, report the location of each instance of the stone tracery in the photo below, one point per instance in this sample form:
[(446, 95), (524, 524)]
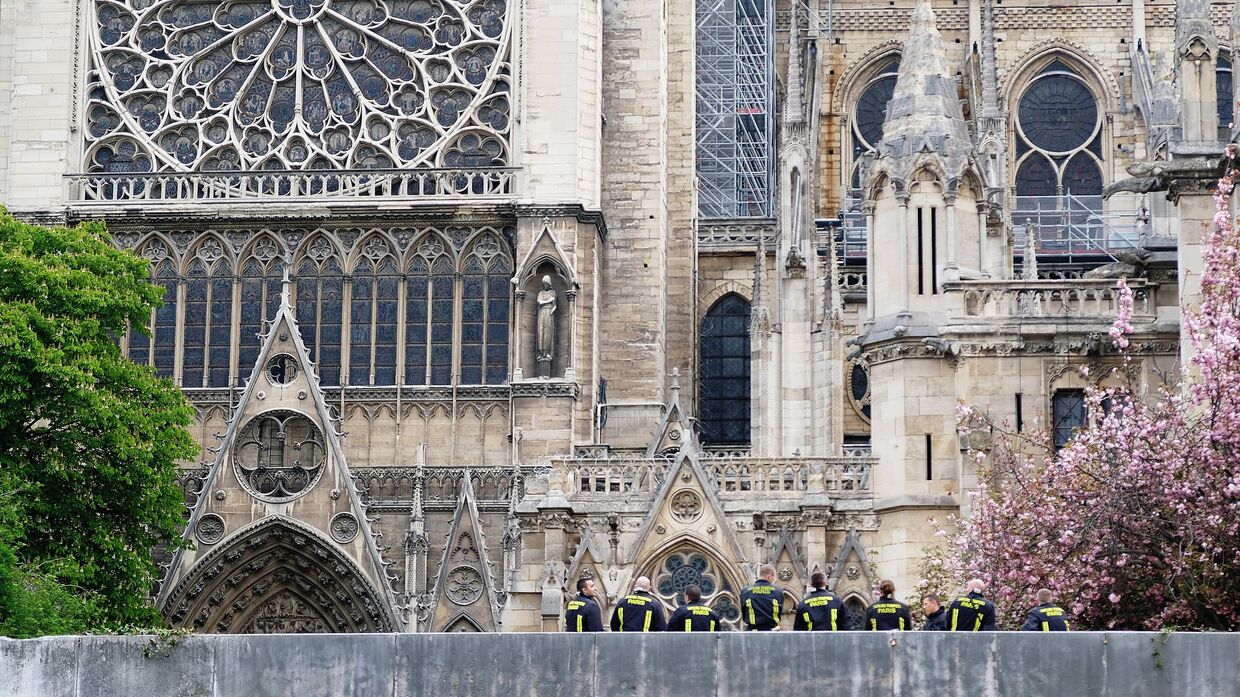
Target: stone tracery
[(298, 84)]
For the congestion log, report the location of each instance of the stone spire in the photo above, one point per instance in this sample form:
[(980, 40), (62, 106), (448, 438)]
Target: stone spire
[(924, 115), (990, 66), (793, 107)]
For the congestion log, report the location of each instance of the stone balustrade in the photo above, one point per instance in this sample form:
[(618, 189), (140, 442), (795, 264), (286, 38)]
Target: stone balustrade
[(308, 185), (1050, 299), (836, 476)]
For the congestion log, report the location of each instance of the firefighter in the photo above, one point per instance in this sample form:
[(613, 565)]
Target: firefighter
[(639, 611), (761, 602), (694, 615), (1047, 616), (583, 613), (936, 615), (822, 610), (971, 612), (888, 613)]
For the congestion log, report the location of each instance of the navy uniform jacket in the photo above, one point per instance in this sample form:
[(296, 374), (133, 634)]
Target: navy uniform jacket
[(694, 617), (821, 611), (760, 605), (936, 622), (583, 615), (639, 612), (888, 613), (1046, 618), (971, 613)]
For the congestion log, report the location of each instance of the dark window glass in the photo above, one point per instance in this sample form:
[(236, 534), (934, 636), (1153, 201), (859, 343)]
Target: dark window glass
[(854, 619), (859, 382), (260, 300), (164, 343), (872, 110), (416, 316), (1036, 177), (320, 304), (193, 356), (1068, 415), (1226, 105), (724, 378), (1082, 177), (219, 350), (387, 302), (443, 301), (360, 318), (1058, 113)]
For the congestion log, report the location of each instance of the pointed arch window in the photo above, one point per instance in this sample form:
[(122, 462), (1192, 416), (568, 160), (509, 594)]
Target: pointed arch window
[(155, 345), (207, 346), (1226, 105), (373, 318), (261, 283), (484, 315), (1059, 136), (682, 569), (320, 306), (854, 613), (723, 403)]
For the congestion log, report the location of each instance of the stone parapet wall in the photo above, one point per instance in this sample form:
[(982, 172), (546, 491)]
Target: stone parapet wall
[(374, 665)]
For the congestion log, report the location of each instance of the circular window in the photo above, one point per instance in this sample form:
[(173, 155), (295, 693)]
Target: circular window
[(282, 369), (1058, 114), (279, 455), (681, 570), (872, 110)]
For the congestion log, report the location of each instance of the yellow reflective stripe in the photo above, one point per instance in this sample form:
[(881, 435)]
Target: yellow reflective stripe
[(688, 625), (753, 619), (834, 626), (977, 623), (620, 614), (579, 618), (873, 623), (712, 625), (775, 616), (646, 624), (1067, 627), (901, 624), (1046, 626), (809, 624), (955, 615)]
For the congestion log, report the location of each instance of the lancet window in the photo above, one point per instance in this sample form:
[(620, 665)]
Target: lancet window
[(155, 345), (723, 403), (869, 115), (261, 276)]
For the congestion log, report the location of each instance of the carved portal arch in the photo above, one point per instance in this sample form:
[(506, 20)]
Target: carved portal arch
[(277, 576)]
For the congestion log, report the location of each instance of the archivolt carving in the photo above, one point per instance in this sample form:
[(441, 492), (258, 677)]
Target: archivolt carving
[(849, 80), (262, 574), (179, 85)]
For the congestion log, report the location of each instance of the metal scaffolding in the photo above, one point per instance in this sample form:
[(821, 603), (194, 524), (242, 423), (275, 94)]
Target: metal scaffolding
[(735, 108)]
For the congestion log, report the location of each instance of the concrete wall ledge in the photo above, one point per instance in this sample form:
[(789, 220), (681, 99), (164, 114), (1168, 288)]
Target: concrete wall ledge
[(911, 664)]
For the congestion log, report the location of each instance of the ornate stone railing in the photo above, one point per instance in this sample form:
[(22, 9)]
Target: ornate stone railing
[(438, 486), (839, 476), (309, 185), (1078, 298), (735, 235)]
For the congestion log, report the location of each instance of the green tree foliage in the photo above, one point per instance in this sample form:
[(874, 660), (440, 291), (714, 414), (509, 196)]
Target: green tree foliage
[(89, 441)]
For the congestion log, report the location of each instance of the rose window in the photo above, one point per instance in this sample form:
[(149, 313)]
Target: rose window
[(279, 455), (681, 570), (183, 85)]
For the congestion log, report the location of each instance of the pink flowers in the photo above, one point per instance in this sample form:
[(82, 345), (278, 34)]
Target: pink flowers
[(1143, 505)]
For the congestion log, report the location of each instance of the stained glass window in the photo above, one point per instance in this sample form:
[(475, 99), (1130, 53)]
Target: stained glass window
[(723, 403), (859, 387), (1226, 105), (1058, 136), (186, 85), (261, 284), (854, 614), (417, 316), (373, 316), (683, 569), (320, 304), (1068, 414), (156, 343), (869, 116)]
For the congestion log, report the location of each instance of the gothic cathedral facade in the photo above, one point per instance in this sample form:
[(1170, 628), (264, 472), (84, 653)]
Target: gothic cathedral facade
[(475, 298)]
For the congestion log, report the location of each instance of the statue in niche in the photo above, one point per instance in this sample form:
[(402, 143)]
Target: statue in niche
[(546, 328)]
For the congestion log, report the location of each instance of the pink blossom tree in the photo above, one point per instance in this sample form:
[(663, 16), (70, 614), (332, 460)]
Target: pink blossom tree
[(1135, 523)]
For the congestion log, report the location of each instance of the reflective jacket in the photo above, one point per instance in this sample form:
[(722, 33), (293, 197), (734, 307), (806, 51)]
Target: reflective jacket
[(971, 613), (821, 611), (639, 612), (936, 622), (583, 615), (1046, 618), (888, 613), (760, 605), (694, 617)]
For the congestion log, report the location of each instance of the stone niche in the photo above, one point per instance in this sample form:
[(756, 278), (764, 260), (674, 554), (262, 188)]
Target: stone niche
[(560, 364)]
